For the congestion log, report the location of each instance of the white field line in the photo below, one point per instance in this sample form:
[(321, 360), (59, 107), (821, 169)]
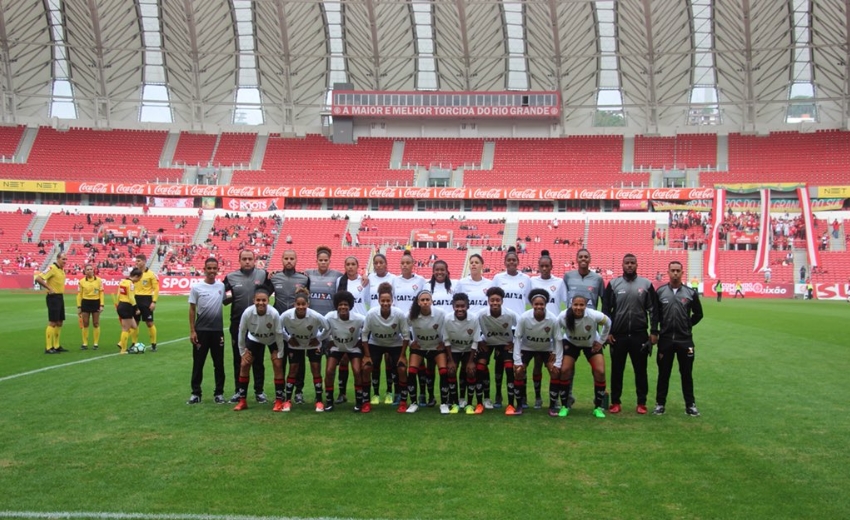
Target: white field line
[(104, 515), (45, 369)]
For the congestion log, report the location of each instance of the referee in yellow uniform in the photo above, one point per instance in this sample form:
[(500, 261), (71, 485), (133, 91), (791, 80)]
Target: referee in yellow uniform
[(147, 293), (90, 305), (53, 279)]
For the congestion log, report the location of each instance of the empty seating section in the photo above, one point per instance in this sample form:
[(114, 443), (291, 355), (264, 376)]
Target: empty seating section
[(314, 160), (681, 151), (92, 155), (194, 149), (819, 157), (609, 241), (445, 153), (15, 251), (577, 161), (10, 137), (234, 149), (562, 253), (834, 267), (397, 232), (309, 233)]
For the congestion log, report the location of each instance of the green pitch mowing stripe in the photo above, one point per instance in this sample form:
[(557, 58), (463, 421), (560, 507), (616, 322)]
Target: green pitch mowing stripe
[(44, 369), (147, 516)]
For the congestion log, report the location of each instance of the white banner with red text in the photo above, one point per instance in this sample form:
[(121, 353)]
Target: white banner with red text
[(753, 289)]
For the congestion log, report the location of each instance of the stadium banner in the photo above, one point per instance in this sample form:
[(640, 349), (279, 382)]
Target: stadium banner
[(207, 202), (270, 204), (33, 186), (824, 192), (783, 205), (753, 187), (718, 212), (169, 202), (808, 218), (167, 284), (634, 205), (432, 235), (753, 289), (438, 111), (690, 205), (763, 249), (387, 192), (743, 237), (828, 291)]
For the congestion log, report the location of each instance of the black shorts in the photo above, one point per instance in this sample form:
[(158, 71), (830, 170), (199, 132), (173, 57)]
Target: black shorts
[(257, 349), (144, 305), (427, 355), (528, 355), (505, 352), (338, 355), (394, 353), (460, 359), (90, 306), (55, 307), (574, 351), (126, 311), (296, 356)]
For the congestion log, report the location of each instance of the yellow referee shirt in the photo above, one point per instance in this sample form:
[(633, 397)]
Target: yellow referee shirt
[(148, 285), (90, 290), (126, 294), (54, 277)]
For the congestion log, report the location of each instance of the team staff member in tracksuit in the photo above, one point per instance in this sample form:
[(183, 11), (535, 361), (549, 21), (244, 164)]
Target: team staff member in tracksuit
[(629, 299), (285, 284), (259, 328), (679, 309), (147, 293), (206, 331), (242, 285), (323, 281)]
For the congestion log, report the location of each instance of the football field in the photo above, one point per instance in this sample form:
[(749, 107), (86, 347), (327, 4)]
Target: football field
[(96, 435)]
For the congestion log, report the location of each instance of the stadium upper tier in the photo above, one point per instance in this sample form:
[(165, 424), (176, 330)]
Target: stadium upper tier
[(565, 162)]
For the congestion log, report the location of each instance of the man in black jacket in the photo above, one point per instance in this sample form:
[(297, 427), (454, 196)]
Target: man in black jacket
[(680, 310), (631, 304)]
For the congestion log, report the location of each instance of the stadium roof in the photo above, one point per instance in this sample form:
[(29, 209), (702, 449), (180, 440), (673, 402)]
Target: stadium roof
[(645, 64)]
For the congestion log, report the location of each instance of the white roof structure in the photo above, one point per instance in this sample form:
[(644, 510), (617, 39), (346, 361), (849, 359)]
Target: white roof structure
[(643, 66)]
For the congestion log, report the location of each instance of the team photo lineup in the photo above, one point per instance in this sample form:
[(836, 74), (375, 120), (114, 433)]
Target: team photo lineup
[(429, 335)]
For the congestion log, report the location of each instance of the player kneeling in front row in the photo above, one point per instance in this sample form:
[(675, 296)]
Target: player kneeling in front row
[(460, 335), (581, 325), (536, 337), (259, 327), (346, 329), (304, 329)]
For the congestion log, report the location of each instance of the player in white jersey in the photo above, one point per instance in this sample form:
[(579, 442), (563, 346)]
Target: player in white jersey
[(581, 335), (345, 341), (497, 336), (516, 286), (442, 287), (461, 334), (475, 286), (407, 285), (259, 327), (358, 285), (426, 344), (537, 336), (387, 331), (305, 330), (557, 297), (376, 278)]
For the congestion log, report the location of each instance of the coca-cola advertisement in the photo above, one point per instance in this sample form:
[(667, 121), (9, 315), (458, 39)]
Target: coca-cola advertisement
[(268, 204), (168, 202), (752, 289)]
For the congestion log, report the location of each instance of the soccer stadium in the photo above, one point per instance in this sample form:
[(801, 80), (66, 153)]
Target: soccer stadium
[(488, 138)]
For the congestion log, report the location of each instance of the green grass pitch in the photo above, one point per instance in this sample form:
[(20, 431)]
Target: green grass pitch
[(113, 435)]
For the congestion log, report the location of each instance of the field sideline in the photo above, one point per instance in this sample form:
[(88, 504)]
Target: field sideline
[(112, 438)]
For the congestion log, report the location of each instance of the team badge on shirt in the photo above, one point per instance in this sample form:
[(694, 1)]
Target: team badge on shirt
[(436, 326), (547, 329), (393, 325), (587, 328), (504, 325), (415, 287), (268, 325), (310, 328), (351, 330), (469, 331)]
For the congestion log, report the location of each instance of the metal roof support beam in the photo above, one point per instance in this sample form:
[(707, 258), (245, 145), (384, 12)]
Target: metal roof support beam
[(8, 86), (845, 112), (464, 38), (376, 56), (651, 102), (749, 108), (287, 63), (194, 54)]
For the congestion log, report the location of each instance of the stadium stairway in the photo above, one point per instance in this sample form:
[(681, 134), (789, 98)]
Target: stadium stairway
[(801, 259), (36, 226), (694, 265), (511, 231), (25, 146), (166, 158)]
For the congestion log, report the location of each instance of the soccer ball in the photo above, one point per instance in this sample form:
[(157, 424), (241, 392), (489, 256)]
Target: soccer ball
[(138, 348)]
